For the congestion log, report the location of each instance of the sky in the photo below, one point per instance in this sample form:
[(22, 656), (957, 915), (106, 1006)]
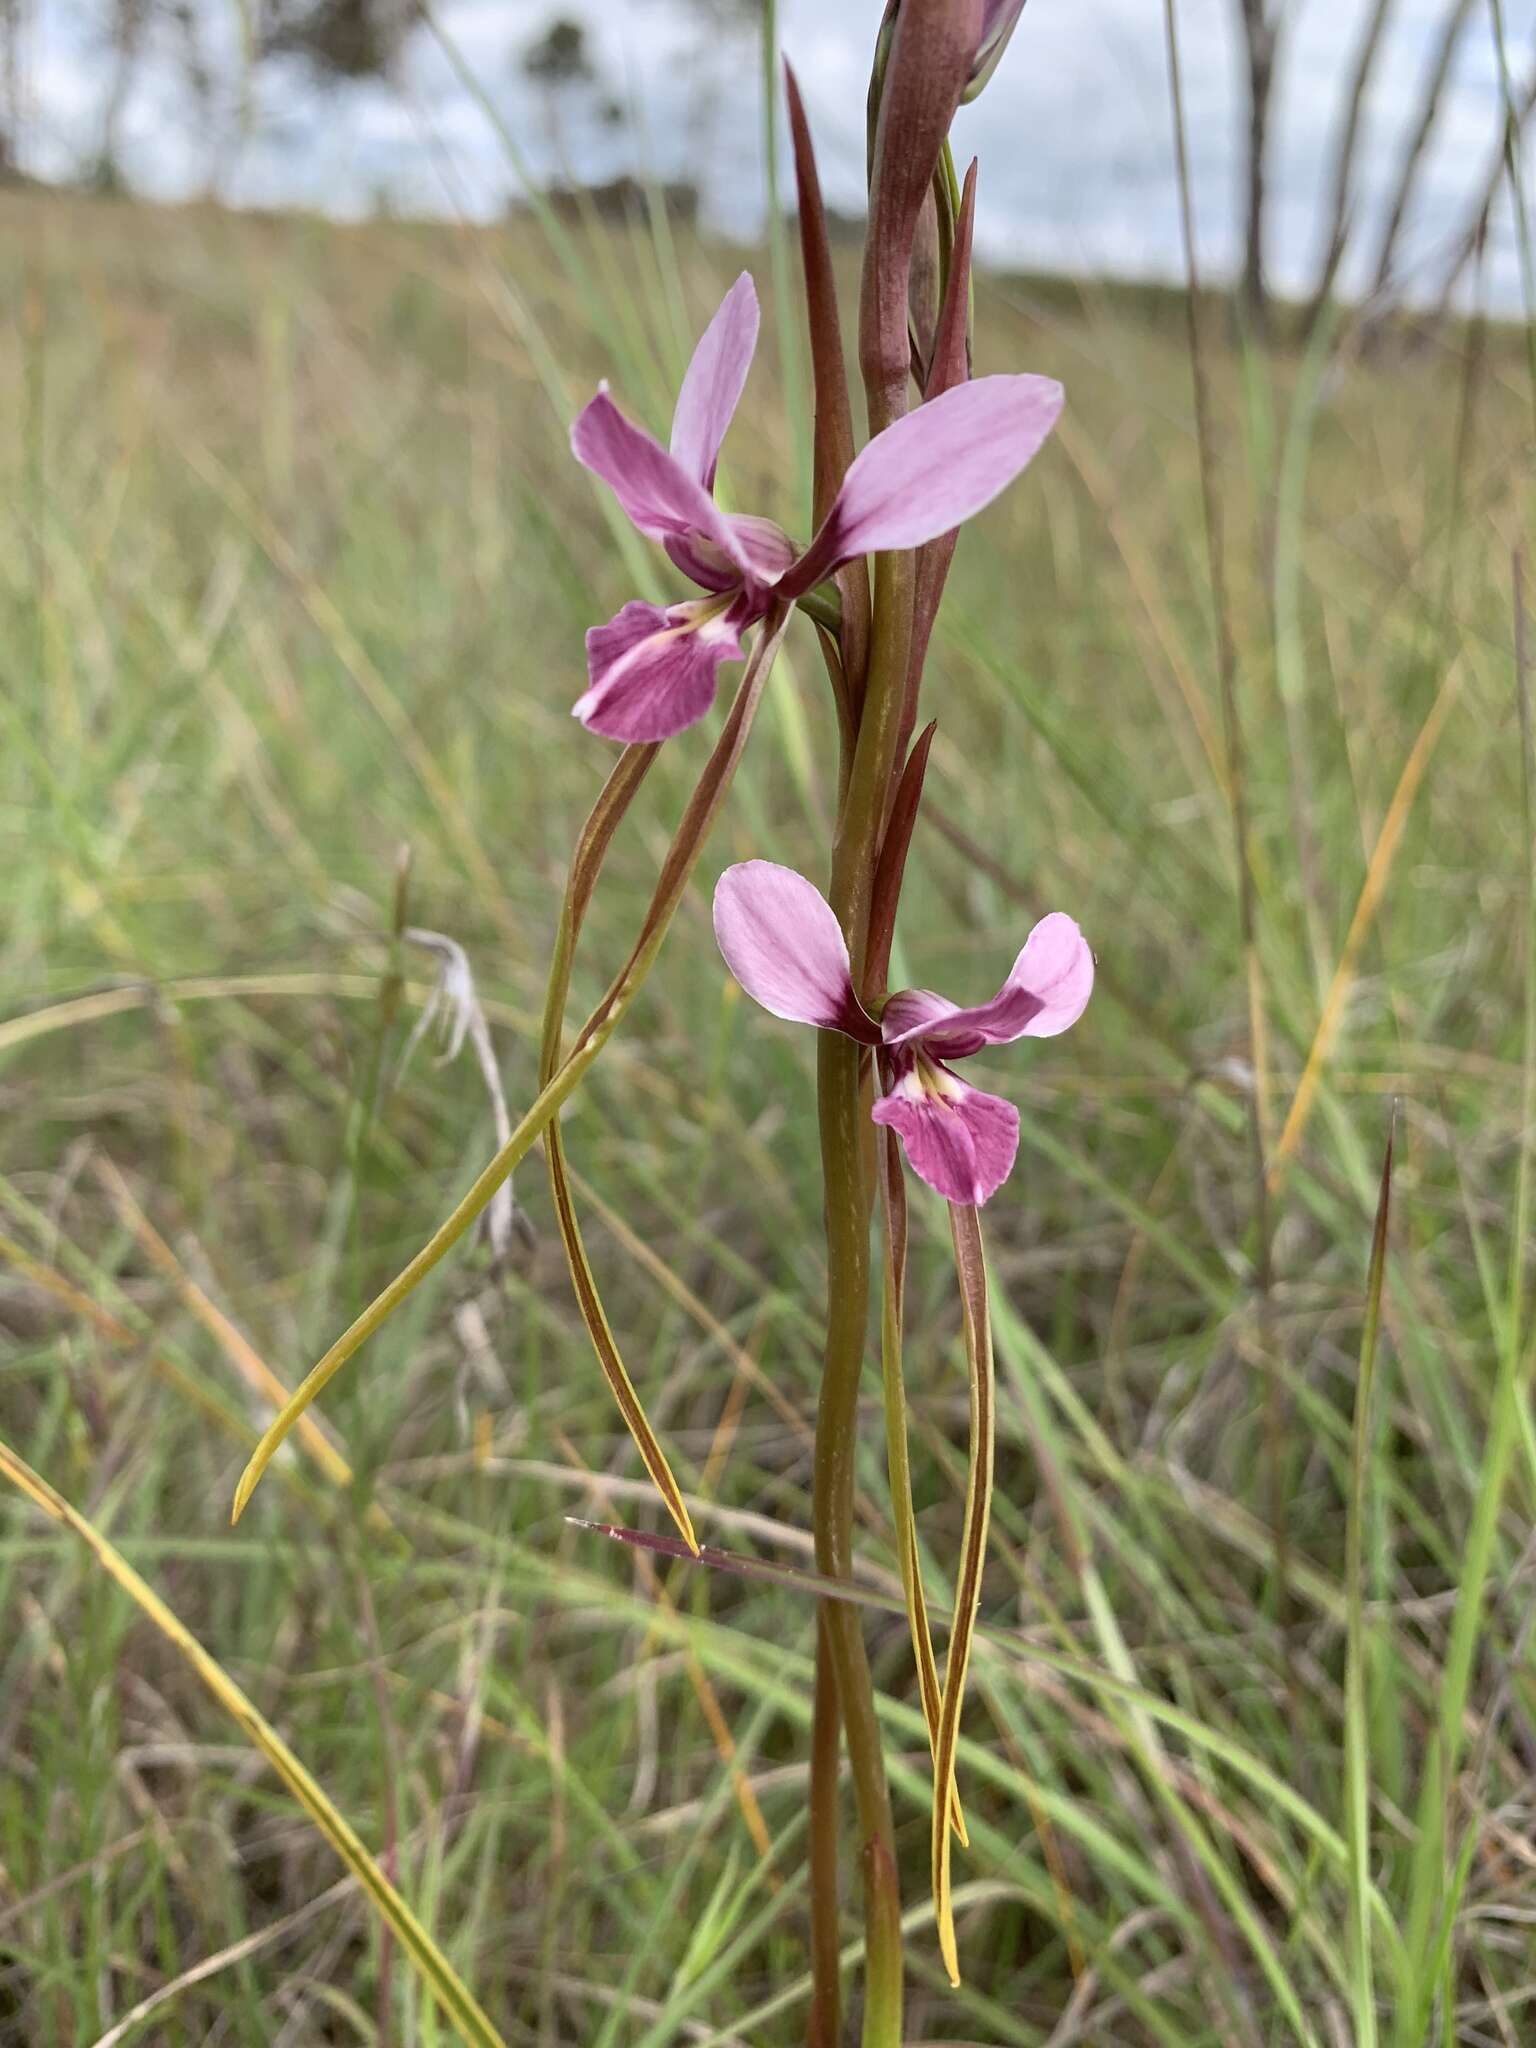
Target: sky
[(1074, 131)]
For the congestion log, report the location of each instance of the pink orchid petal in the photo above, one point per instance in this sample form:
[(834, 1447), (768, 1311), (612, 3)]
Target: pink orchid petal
[(932, 470), (663, 500), (714, 380), (784, 945), (652, 672), (961, 1141), (1047, 990)]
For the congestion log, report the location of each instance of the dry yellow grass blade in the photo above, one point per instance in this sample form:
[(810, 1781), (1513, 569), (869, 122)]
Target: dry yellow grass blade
[(49, 1280), (237, 1348), (1377, 875), (428, 1960)]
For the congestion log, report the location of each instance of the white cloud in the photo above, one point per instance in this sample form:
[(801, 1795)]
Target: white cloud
[(1074, 132)]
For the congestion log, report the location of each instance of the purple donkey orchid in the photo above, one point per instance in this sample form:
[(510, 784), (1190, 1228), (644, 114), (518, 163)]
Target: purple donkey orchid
[(784, 945), (651, 669)]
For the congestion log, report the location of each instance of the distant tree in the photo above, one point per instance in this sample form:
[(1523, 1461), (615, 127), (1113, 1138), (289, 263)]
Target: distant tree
[(1345, 149), (340, 39), (1417, 145), (559, 57), (1504, 152), (10, 88), (1261, 22), (560, 66), (127, 24)]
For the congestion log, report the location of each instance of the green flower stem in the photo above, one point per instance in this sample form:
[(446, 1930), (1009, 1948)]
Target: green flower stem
[(825, 2025), (845, 1172)]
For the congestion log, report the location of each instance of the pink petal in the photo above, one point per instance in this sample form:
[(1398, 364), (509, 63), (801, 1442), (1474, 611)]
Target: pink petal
[(959, 1140), (1047, 990), (661, 497), (652, 672), (929, 472), (713, 382), (786, 948)]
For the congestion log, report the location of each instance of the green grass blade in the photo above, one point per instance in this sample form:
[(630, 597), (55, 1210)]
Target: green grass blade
[(1357, 1763)]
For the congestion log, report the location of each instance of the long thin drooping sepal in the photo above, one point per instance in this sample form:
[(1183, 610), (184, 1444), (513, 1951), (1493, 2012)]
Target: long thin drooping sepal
[(893, 1230), (578, 1062), (971, 1268), (586, 865)]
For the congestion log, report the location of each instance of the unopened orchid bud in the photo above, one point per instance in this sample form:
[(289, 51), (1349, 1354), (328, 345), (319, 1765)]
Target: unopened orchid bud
[(929, 48), (999, 19)]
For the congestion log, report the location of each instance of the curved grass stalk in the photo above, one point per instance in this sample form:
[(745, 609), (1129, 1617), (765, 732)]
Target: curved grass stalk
[(426, 1958), (675, 873), (971, 1267)]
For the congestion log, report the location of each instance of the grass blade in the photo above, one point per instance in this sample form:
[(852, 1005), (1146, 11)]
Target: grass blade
[(1357, 1764), (426, 1958)]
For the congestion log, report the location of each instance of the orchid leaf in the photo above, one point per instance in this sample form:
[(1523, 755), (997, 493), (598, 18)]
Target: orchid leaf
[(971, 1268), (676, 871)]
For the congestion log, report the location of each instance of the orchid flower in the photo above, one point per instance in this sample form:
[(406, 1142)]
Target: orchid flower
[(652, 668), (784, 945)]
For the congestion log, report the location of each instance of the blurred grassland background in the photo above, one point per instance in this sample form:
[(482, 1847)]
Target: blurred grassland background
[(295, 570)]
